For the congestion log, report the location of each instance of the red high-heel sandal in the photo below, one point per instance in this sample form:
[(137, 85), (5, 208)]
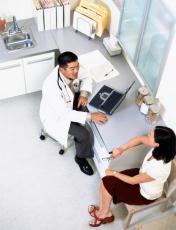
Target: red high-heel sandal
[(98, 221), (92, 209)]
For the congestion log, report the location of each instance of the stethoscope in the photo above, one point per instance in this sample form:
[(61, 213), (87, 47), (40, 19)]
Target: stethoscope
[(65, 95)]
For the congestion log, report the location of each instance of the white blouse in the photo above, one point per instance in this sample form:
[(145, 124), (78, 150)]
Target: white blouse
[(158, 170)]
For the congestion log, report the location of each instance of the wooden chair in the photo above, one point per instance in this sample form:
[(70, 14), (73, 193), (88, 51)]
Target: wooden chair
[(168, 198)]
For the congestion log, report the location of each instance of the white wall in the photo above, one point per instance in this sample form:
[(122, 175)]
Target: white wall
[(22, 9), (167, 89)]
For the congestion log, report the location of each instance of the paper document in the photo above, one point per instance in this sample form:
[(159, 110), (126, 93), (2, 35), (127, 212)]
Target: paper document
[(99, 67)]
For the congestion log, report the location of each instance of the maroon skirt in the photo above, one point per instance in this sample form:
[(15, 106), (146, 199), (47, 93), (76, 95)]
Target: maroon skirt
[(124, 192)]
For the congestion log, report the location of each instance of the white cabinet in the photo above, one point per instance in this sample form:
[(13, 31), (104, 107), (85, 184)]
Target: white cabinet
[(36, 69), (25, 75), (12, 81)]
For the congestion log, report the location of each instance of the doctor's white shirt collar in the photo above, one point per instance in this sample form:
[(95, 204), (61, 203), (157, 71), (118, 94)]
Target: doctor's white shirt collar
[(66, 80)]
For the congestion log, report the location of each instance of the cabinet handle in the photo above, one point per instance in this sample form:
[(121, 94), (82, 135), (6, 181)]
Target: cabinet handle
[(41, 60), (10, 66)]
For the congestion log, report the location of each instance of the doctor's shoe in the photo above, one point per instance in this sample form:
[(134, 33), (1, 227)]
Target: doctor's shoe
[(84, 166)]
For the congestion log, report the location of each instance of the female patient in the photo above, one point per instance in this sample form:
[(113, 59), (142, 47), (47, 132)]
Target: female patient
[(137, 186)]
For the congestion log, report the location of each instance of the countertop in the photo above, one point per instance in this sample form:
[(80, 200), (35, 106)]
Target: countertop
[(60, 39)]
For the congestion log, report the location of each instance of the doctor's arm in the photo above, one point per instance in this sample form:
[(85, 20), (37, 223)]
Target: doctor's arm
[(85, 91), (86, 85)]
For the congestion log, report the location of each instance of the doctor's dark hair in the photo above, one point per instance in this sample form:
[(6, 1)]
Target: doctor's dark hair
[(166, 139), (65, 58)]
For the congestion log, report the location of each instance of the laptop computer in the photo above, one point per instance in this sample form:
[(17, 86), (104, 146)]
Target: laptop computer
[(107, 99)]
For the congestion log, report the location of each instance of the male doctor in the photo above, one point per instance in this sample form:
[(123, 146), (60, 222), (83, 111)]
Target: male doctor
[(64, 92)]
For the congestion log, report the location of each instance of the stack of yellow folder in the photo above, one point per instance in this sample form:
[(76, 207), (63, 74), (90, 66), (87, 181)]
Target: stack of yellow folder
[(96, 12)]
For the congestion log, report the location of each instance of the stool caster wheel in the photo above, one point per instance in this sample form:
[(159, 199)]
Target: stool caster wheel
[(42, 137), (61, 152)]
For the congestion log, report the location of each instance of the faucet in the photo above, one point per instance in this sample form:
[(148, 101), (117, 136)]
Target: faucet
[(16, 28)]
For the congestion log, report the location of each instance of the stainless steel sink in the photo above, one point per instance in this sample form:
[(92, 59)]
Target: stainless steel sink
[(18, 40)]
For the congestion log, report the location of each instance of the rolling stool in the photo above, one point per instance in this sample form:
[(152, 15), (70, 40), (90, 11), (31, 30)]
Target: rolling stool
[(44, 135)]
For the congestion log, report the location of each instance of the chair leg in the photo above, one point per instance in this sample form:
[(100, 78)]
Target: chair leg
[(139, 227), (42, 135), (128, 220), (164, 206), (61, 151)]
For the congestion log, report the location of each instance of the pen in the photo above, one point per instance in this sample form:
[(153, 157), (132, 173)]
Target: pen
[(106, 74), (107, 158)]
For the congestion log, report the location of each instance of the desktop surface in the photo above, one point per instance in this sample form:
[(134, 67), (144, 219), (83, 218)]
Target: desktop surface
[(127, 121)]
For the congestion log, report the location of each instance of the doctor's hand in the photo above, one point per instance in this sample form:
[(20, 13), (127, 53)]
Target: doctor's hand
[(82, 101), (99, 117)]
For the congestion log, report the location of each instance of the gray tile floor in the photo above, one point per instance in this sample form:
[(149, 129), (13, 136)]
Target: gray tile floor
[(39, 189)]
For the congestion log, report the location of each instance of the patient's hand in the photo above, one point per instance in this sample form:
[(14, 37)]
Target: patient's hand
[(117, 152), (110, 172)]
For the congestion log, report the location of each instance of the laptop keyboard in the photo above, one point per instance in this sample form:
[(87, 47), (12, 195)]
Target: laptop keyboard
[(114, 99)]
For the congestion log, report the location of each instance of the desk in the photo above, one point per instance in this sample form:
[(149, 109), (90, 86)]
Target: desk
[(125, 123)]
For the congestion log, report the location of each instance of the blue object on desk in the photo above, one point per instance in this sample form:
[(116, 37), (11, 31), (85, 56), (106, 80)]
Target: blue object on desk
[(108, 99)]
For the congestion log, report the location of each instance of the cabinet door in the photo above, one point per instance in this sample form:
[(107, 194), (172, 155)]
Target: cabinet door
[(36, 69), (11, 79)]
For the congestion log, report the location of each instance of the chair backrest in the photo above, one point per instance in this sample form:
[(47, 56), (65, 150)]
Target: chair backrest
[(170, 185), (169, 196)]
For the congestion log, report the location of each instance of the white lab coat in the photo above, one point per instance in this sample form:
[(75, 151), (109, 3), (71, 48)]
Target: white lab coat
[(55, 113)]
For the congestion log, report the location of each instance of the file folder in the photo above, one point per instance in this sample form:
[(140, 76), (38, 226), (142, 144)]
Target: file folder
[(39, 15), (67, 8), (53, 18), (96, 12), (47, 18), (84, 24), (59, 14), (49, 14)]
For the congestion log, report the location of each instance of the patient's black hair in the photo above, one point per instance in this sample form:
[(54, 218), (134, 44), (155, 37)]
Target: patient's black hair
[(166, 139), (65, 58)]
